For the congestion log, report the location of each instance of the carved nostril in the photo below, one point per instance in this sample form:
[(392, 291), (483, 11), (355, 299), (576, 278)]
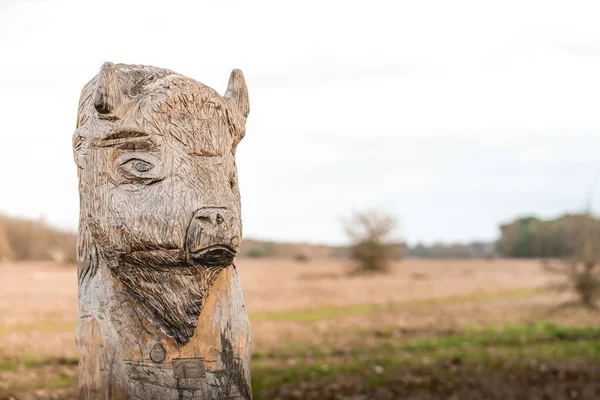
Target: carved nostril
[(219, 219)]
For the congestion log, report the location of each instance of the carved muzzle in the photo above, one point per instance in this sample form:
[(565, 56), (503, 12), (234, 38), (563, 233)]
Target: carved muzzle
[(212, 237)]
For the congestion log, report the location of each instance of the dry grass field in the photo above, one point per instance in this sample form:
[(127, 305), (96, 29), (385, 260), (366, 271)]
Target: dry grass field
[(430, 329)]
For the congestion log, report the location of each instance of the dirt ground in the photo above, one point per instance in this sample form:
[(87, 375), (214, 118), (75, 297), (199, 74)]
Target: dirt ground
[(317, 303), (38, 301)]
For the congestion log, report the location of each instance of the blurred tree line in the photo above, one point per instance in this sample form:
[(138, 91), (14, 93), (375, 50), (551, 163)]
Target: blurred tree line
[(452, 250), (22, 239), (556, 238)]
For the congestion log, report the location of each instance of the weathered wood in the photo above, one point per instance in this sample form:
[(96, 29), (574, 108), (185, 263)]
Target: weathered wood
[(161, 311)]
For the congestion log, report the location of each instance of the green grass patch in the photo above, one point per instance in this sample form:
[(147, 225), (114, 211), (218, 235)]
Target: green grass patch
[(29, 361), (8, 365), (385, 355), (375, 357), (325, 313), (60, 382)]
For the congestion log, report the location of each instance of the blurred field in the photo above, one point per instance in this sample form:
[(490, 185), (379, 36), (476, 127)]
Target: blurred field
[(430, 329)]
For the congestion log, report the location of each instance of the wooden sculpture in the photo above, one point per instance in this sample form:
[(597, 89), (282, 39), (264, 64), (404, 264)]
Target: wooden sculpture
[(161, 312)]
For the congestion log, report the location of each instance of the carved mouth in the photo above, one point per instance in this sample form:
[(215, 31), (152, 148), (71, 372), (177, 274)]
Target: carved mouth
[(157, 259), (216, 255)]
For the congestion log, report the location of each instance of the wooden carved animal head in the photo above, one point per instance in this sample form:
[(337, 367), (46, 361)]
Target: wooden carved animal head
[(159, 200)]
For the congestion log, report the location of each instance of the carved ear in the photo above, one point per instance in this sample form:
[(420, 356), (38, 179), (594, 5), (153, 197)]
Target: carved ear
[(237, 92), (80, 149), (108, 97)]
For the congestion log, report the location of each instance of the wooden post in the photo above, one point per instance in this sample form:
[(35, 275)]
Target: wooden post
[(161, 311)]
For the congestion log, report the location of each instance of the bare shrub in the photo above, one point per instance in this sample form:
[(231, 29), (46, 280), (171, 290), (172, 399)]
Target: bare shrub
[(22, 239), (581, 269), (371, 246)]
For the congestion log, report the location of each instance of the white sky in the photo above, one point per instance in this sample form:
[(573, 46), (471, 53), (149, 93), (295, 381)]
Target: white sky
[(452, 116)]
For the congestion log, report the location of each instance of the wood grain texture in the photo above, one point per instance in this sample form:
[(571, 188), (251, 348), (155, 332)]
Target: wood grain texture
[(161, 311)]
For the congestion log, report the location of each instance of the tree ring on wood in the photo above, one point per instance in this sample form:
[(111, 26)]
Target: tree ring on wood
[(158, 353)]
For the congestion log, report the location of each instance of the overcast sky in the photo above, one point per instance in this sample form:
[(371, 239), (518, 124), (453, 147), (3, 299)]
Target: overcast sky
[(452, 116)]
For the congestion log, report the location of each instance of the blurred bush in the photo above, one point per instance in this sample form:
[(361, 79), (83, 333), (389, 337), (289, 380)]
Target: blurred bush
[(579, 266), (22, 239), (301, 257), (371, 243)]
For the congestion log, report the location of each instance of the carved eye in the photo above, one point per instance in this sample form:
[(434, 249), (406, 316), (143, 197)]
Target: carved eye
[(141, 166), (138, 170)]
